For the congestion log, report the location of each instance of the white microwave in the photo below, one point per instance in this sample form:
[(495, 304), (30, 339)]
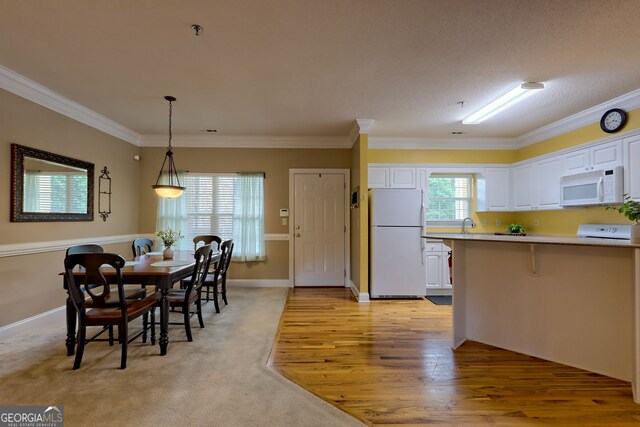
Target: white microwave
[(598, 187)]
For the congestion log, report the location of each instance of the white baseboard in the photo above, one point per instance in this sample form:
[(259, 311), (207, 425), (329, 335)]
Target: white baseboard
[(258, 283), (39, 321), (360, 296)]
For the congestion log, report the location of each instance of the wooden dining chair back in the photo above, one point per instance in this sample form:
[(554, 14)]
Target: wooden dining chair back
[(214, 281), (84, 249), (225, 270), (103, 309), (191, 296), (208, 239), (141, 246)]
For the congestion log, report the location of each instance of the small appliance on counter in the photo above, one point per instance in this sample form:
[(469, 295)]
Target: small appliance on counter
[(605, 231)]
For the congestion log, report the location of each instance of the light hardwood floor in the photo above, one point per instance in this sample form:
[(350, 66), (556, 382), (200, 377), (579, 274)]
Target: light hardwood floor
[(390, 362)]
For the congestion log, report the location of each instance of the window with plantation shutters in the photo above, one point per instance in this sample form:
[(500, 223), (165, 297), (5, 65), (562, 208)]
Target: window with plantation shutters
[(56, 192), (228, 205)]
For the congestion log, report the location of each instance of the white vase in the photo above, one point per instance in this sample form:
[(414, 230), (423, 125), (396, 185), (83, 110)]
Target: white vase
[(635, 233), (167, 253)]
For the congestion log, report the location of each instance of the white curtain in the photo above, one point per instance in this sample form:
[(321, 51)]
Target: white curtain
[(248, 217), (172, 214)]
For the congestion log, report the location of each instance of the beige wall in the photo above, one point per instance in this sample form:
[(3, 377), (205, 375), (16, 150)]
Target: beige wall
[(274, 162), (30, 283)]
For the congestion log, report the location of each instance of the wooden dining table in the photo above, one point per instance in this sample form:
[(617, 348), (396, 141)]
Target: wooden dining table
[(148, 270)]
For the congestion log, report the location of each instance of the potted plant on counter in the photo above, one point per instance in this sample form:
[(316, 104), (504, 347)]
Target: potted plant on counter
[(631, 209), (516, 229), (168, 237)]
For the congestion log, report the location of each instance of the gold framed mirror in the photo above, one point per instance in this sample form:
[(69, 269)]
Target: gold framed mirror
[(49, 187)]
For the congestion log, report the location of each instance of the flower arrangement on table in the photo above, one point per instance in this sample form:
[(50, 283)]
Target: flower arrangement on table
[(169, 237)]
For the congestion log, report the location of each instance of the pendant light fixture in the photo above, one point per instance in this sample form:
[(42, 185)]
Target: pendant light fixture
[(172, 187)]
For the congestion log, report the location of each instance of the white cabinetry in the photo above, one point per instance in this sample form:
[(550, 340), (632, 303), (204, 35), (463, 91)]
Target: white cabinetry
[(522, 189), (546, 176), (602, 156), (436, 258), (384, 177), (632, 167), (494, 190)]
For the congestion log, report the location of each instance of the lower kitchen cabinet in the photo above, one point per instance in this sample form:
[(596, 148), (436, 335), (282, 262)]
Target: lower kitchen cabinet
[(436, 259)]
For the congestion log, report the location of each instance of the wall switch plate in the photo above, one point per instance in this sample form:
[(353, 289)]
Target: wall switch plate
[(284, 221), (536, 222), (498, 223)]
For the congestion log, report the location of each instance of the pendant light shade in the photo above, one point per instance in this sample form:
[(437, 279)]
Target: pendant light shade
[(171, 187)]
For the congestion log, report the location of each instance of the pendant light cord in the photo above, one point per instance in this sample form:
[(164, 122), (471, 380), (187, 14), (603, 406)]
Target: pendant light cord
[(170, 114)]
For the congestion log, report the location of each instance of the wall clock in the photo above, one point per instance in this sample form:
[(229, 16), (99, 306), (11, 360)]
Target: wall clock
[(613, 120)]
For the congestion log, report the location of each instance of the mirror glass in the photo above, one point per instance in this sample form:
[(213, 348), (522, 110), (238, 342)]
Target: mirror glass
[(50, 187)]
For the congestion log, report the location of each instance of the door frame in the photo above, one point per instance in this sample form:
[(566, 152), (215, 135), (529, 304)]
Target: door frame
[(346, 173)]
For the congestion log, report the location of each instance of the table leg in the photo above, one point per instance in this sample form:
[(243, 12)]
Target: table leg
[(164, 321), (71, 327)]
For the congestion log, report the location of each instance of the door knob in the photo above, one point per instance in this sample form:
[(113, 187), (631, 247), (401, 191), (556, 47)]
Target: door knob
[(297, 234), (297, 227)]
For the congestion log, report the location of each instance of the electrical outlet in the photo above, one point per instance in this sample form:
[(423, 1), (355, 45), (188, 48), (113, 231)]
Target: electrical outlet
[(485, 222), (536, 222), (284, 221), (498, 223)]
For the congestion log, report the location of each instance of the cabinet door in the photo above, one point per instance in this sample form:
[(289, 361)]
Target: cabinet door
[(446, 273), (632, 167), (522, 191), (547, 183), (378, 177), (576, 162), (606, 156), (433, 261), (402, 178), (498, 186)]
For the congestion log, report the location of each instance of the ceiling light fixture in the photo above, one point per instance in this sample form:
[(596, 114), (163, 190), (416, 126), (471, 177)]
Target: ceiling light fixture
[(172, 188), (510, 98)]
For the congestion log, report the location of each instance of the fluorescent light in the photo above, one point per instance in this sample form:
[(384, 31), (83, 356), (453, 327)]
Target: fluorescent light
[(510, 98)]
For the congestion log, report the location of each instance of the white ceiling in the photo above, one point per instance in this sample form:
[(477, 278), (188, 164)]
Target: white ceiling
[(309, 68)]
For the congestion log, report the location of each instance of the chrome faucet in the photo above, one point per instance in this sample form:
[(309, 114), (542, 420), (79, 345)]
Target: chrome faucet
[(473, 224)]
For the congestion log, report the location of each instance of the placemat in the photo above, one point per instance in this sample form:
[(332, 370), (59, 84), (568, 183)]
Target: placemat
[(153, 253), (169, 264), (126, 264)]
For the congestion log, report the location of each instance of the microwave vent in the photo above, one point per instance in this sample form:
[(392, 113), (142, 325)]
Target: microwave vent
[(582, 176)]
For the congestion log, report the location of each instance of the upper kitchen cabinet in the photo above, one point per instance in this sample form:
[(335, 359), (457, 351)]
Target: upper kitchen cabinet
[(547, 174), (602, 156), (494, 190), (522, 189), (384, 177), (632, 167)]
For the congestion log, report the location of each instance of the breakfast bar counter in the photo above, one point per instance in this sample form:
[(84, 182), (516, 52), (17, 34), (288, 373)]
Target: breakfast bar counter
[(566, 299)]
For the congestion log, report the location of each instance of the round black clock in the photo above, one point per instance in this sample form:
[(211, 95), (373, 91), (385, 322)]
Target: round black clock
[(613, 120)]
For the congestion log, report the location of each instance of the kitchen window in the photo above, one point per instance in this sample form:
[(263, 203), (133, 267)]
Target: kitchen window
[(449, 199), (228, 205)]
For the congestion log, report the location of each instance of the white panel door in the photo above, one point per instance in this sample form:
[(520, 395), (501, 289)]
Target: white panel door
[(319, 229)]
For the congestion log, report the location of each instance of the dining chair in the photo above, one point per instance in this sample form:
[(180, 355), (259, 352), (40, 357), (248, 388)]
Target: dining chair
[(216, 280), (103, 309), (141, 246), (184, 299), (207, 239)]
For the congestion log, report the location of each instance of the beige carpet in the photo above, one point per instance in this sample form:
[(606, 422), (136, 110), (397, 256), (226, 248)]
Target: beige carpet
[(219, 379)]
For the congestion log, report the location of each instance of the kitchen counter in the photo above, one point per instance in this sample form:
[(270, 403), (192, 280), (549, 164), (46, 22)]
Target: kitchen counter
[(571, 300), (534, 238)]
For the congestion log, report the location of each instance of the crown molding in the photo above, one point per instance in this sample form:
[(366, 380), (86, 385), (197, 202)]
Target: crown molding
[(364, 125), (380, 142), (35, 92), (629, 101), (206, 141)]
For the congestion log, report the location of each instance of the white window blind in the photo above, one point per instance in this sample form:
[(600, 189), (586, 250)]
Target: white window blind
[(449, 198), (228, 205), (55, 192)]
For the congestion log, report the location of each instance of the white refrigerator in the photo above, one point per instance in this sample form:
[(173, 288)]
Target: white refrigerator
[(396, 263)]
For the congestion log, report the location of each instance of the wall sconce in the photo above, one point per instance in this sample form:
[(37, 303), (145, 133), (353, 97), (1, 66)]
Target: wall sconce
[(104, 194)]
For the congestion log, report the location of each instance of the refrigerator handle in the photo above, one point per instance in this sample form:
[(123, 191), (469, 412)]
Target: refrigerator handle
[(423, 224)]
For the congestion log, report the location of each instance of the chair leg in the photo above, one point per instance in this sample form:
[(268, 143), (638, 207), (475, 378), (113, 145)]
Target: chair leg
[(124, 334), (145, 325), (199, 308), (215, 297), (110, 335), (224, 290), (187, 323), (153, 326), (82, 332)]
